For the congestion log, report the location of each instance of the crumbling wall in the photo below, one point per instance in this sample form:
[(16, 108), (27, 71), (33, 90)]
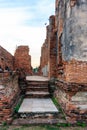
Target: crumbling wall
[(75, 31), (22, 59), (9, 94), (49, 50), (44, 59), (52, 47), (71, 91), (44, 55), (6, 59)]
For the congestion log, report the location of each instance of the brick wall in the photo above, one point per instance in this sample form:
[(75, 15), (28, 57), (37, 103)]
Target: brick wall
[(71, 91), (71, 45), (76, 71), (52, 47), (44, 54), (9, 95), (49, 49), (6, 59), (74, 105), (44, 59), (22, 59)]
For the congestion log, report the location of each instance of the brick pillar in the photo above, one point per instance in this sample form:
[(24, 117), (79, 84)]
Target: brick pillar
[(23, 59), (52, 47)]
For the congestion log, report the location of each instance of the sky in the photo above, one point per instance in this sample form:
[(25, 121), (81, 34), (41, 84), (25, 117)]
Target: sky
[(22, 22)]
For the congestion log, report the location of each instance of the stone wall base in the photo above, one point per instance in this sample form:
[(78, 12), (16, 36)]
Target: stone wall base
[(73, 101), (9, 96)]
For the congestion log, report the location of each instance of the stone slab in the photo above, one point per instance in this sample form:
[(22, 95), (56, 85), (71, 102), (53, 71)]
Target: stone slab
[(36, 78), (82, 107), (21, 121), (35, 105), (79, 97)]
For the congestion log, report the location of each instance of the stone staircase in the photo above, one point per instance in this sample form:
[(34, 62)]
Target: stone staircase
[(37, 106), (37, 89)]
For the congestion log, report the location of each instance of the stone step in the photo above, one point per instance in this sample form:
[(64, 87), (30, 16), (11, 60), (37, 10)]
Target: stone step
[(36, 94), (38, 108), (39, 121), (38, 115), (37, 84), (35, 88)]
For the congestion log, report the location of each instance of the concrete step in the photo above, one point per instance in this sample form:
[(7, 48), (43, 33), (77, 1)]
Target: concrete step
[(38, 108), (36, 94)]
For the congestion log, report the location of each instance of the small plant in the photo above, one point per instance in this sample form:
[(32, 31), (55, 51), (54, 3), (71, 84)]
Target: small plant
[(82, 124), (63, 125), (4, 123), (18, 106), (55, 101)]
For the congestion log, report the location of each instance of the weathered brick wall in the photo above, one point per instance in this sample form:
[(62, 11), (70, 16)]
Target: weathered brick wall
[(71, 46), (75, 31), (76, 71), (9, 93), (44, 54), (49, 49), (59, 25), (44, 59), (6, 59), (71, 91), (22, 59), (52, 47), (74, 105)]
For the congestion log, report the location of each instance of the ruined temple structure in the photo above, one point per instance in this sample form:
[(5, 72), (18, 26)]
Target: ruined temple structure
[(22, 59), (48, 50), (6, 59), (9, 96), (66, 60), (10, 91)]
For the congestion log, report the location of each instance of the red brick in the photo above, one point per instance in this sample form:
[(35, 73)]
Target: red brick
[(23, 59), (6, 59)]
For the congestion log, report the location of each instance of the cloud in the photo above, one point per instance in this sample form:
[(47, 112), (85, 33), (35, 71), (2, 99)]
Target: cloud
[(13, 16), (31, 36), (22, 23)]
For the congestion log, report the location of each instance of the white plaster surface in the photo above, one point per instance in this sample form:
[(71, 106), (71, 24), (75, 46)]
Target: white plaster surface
[(1, 87), (34, 105)]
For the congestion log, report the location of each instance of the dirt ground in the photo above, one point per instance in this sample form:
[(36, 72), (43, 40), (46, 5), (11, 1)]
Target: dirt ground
[(40, 128)]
